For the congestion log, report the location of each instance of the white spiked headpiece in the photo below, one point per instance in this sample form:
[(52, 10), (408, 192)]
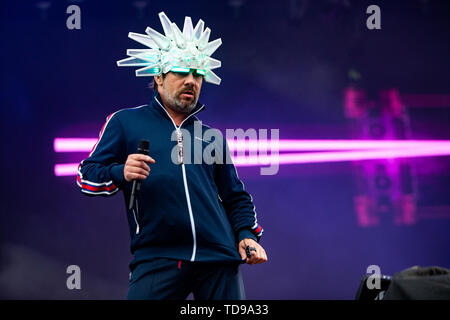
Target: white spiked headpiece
[(176, 51)]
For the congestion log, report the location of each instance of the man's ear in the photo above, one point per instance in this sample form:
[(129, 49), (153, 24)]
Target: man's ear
[(158, 80)]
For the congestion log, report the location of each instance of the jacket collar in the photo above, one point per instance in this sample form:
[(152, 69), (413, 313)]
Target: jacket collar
[(157, 104)]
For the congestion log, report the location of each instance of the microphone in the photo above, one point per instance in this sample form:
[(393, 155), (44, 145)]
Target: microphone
[(144, 146)]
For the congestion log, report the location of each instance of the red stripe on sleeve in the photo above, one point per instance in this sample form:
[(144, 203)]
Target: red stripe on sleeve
[(85, 186)]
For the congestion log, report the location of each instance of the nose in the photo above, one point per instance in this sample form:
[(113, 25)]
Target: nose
[(189, 79)]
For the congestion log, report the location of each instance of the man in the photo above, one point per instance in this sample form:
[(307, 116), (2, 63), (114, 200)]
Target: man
[(192, 225)]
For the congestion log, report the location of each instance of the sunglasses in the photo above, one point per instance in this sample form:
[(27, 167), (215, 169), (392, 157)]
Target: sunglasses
[(196, 72)]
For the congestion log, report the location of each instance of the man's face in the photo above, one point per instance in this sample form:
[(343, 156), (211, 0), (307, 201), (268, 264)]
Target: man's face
[(180, 91)]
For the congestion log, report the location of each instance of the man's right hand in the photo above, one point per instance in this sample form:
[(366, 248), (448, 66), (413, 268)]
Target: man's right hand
[(136, 167)]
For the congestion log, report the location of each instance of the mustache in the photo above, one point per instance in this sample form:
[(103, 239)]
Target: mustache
[(188, 90)]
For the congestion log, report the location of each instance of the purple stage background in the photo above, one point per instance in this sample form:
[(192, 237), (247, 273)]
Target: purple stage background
[(286, 65)]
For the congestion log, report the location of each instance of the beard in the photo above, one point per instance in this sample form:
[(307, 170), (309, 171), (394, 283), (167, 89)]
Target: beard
[(176, 104)]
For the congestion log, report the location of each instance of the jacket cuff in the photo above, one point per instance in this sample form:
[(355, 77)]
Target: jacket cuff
[(246, 234), (117, 174)]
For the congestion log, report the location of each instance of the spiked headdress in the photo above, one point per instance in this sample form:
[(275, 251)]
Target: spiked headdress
[(175, 51)]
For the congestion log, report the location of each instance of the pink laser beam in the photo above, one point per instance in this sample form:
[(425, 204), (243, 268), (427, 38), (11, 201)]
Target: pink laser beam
[(339, 156), (69, 169), (86, 144), (73, 144), (66, 169), (309, 145)]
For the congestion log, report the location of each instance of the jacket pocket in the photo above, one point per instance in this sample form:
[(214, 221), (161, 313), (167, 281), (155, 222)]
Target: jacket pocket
[(136, 215)]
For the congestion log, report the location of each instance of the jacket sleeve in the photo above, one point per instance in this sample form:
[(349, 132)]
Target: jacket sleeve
[(102, 172), (237, 202)]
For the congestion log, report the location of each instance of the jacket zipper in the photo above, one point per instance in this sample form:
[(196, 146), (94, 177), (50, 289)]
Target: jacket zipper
[(180, 160)]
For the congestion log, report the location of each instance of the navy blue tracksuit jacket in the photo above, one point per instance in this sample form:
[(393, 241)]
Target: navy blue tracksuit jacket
[(191, 212)]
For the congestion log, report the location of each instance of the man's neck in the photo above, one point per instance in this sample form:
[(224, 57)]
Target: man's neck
[(177, 117)]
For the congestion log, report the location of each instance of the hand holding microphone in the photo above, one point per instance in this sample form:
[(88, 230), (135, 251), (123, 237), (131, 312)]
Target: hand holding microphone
[(136, 169)]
